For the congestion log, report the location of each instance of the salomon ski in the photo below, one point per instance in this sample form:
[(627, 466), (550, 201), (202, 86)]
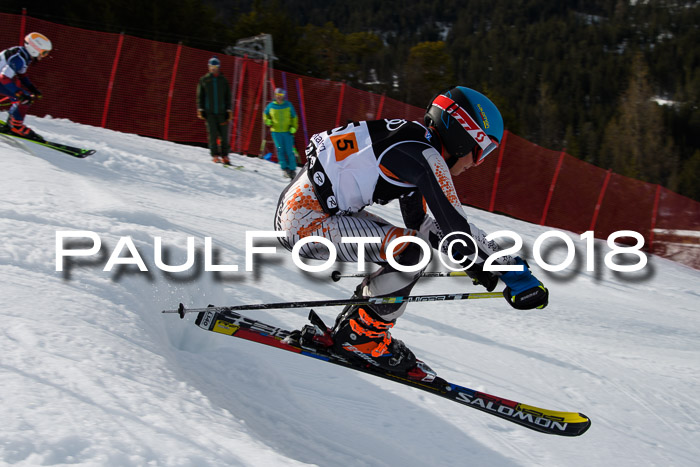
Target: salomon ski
[(315, 341)]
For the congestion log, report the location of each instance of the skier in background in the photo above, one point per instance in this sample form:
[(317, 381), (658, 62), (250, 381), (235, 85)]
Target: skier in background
[(282, 119), (214, 106), (362, 163), (16, 86)]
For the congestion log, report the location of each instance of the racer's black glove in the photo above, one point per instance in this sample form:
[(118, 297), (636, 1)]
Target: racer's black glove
[(484, 278)]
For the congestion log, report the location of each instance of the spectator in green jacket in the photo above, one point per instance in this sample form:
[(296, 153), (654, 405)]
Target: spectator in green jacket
[(214, 106), (282, 119)]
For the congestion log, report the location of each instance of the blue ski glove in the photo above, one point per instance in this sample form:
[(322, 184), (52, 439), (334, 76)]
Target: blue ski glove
[(524, 291)]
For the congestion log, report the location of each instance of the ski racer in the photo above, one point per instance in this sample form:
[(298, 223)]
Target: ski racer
[(16, 86), (367, 162)]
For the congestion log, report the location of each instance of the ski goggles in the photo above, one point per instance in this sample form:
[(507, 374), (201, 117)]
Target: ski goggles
[(484, 144), (479, 154)]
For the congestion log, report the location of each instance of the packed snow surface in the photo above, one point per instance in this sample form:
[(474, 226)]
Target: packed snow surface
[(92, 373)]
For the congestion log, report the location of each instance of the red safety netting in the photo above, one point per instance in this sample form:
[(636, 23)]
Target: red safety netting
[(526, 173), (575, 195), (676, 228), (626, 202), (191, 65), (148, 88)]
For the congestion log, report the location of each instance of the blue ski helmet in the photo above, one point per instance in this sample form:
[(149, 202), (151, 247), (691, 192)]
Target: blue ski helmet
[(467, 123), (214, 61)]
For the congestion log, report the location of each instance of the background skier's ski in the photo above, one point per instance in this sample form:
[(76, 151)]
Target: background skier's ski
[(80, 153)]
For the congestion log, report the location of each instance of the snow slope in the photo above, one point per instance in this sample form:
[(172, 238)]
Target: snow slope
[(93, 374)]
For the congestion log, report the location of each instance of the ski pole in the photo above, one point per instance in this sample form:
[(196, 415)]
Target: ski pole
[(336, 275), (181, 310)]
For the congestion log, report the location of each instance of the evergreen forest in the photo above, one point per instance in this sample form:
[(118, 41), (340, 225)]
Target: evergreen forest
[(614, 82)]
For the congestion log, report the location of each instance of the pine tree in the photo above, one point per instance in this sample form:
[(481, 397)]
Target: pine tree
[(635, 142), (427, 71), (688, 178)]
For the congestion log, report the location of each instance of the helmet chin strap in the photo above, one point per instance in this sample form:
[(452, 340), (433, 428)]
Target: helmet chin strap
[(450, 160)]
